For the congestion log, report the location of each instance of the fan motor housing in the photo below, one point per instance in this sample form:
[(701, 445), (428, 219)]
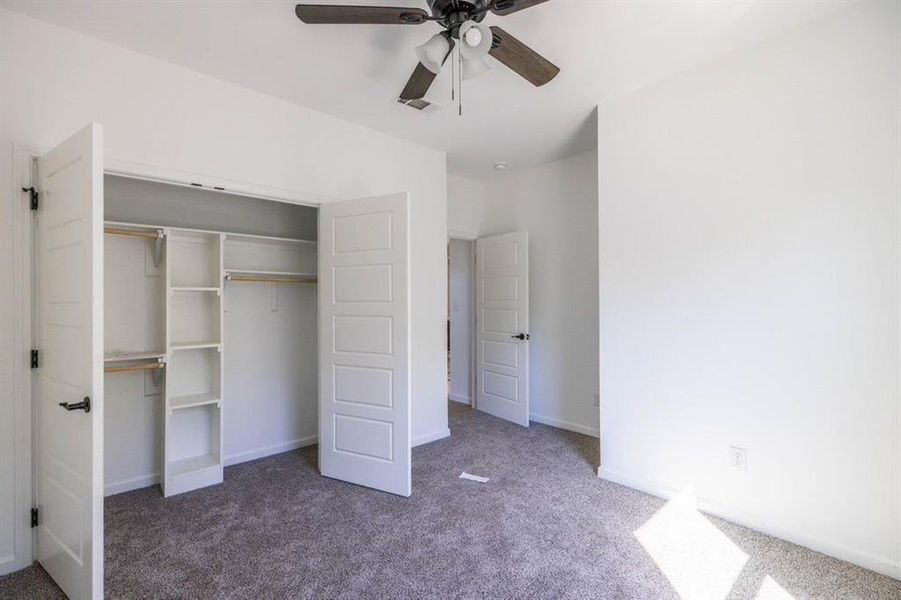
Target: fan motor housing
[(453, 13)]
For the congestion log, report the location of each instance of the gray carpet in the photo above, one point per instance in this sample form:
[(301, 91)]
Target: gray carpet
[(544, 527)]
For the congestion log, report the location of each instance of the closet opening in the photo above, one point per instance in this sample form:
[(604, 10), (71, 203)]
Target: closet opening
[(177, 331), (210, 333)]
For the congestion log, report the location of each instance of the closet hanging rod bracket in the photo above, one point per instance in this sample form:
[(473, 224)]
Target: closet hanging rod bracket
[(158, 249)]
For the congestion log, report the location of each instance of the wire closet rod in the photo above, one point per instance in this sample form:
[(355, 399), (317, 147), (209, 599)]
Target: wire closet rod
[(271, 280), (123, 369), (155, 235)]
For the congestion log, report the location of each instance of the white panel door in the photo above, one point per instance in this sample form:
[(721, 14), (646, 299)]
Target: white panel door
[(502, 326), (69, 383), (364, 342)]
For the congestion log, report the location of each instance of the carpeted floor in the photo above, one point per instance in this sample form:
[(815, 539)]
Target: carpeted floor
[(544, 527)]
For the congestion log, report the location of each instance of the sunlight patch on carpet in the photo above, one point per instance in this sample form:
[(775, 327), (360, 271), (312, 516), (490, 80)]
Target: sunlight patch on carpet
[(770, 590), (699, 561)]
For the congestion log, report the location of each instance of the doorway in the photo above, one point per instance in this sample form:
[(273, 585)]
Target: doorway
[(460, 320), (488, 324)]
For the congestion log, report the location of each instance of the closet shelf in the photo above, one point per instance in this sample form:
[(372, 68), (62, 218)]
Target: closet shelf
[(135, 232), (132, 356), (195, 345), (192, 465), (191, 400), (269, 240), (270, 276), (124, 362), (174, 289), (138, 366)]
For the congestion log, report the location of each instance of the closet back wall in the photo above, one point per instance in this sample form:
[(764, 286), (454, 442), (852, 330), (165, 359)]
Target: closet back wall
[(270, 346), (139, 201)]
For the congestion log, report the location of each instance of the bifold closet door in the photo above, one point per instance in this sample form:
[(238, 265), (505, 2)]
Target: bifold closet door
[(69, 387), (364, 342)]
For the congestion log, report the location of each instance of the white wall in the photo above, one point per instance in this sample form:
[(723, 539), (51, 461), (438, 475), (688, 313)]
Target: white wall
[(460, 297), (749, 261), (54, 81), (557, 204), (465, 206)]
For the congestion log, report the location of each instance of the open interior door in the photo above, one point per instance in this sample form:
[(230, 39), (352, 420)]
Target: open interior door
[(502, 326), (364, 342), (69, 380)]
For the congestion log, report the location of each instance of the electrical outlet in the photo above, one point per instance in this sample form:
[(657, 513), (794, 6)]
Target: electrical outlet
[(738, 458), (597, 399)]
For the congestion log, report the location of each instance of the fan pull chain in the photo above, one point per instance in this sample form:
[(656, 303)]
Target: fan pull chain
[(460, 76), (453, 75)]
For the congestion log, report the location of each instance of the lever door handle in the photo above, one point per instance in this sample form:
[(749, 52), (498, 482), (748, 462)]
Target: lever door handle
[(521, 336), (84, 405)]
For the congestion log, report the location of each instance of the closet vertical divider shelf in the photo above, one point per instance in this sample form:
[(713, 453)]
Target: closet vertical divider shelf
[(192, 437)]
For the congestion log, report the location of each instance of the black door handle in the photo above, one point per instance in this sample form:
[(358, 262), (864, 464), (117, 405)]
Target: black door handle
[(84, 405), (521, 336)]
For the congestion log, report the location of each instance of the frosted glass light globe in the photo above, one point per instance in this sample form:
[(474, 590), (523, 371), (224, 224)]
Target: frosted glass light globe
[(473, 37)]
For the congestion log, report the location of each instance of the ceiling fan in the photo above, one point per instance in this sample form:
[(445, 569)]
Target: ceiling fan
[(461, 21)]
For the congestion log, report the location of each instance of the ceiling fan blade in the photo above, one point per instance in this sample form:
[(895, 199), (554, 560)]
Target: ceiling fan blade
[(418, 84), (505, 7), (520, 58), (421, 79), (320, 14)]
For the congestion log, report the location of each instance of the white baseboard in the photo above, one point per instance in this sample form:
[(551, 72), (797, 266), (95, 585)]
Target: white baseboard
[(143, 481), (133, 483), (460, 398), (431, 437), (758, 523), (9, 564), (592, 431), (248, 455)]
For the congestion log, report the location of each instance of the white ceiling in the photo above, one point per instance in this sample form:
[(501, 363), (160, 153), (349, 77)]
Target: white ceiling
[(604, 49)]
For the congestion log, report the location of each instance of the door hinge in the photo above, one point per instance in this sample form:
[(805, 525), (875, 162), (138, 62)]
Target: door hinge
[(33, 195), (35, 362), (34, 517)]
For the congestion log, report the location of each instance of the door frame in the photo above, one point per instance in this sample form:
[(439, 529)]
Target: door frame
[(24, 467), (471, 238), (24, 176)]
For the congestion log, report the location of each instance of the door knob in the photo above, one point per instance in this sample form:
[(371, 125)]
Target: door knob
[(521, 336), (84, 405)]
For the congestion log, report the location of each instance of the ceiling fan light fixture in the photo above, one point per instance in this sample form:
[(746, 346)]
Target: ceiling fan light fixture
[(475, 40), (433, 52), (473, 37), (474, 68)]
